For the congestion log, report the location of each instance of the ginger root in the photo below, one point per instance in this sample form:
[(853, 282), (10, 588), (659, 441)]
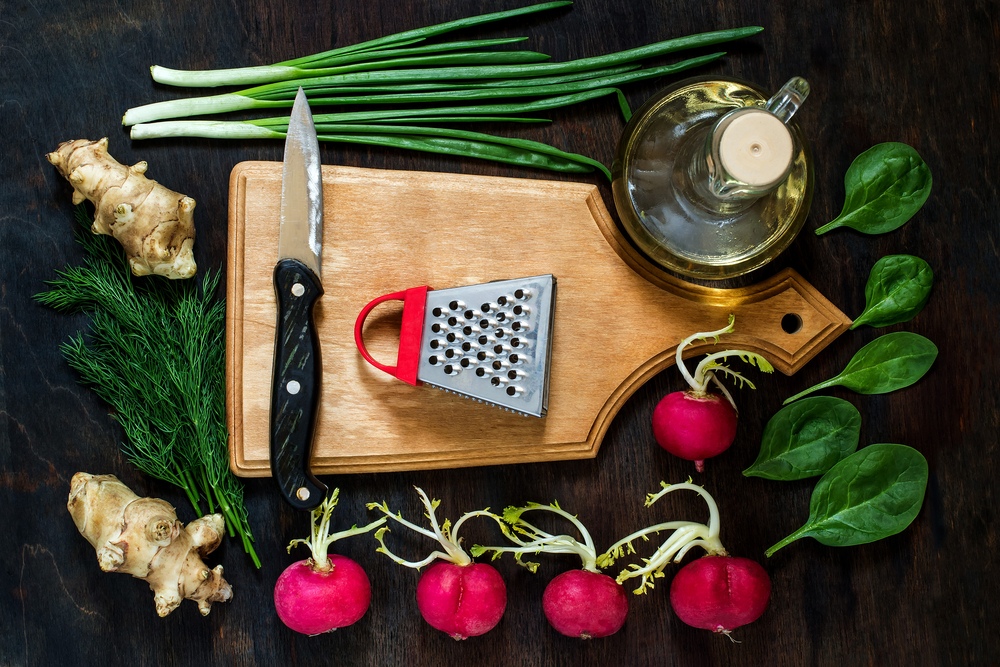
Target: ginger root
[(154, 225), (142, 537)]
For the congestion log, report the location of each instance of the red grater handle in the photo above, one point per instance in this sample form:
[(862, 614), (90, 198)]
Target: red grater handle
[(408, 356)]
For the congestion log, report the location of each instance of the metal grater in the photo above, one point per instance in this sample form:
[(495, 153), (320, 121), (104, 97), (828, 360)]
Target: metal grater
[(490, 342)]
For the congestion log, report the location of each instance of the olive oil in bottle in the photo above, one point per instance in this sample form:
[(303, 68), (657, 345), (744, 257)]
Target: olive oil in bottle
[(711, 179)]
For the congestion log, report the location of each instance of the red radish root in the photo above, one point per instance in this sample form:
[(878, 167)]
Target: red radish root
[(585, 604), (462, 600), (323, 593), (456, 596), (696, 424), (720, 593), (580, 603), (694, 428)]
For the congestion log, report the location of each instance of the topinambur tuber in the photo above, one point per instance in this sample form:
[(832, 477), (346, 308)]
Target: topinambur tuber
[(154, 225), (142, 537)]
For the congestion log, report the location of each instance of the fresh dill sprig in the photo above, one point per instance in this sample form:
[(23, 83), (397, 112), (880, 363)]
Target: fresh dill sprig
[(155, 353)]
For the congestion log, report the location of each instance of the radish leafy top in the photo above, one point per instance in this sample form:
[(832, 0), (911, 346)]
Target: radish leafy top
[(319, 535), (445, 534), (540, 540), (705, 371), (687, 534)]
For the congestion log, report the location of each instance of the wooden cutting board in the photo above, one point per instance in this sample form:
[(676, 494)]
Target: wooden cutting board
[(618, 317)]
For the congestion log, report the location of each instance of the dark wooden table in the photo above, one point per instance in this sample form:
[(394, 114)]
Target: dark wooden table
[(920, 72)]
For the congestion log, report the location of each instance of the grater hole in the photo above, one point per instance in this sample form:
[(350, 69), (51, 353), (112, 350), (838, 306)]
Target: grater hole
[(501, 317), (449, 353), (433, 360), (495, 381), (497, 365), (465, 363), (452, 321), (512, 374), (485, 307), (453, 305), (481, 356), (514, 358), (450, 337), (469, 314), (502, 301), (466, 347), (483, 340), (480, 372), (484, 324), (499, 333), (519, 294), (511, 391), (434, 344), (436, 312), (436, 328), (518, 310), (449, 369), (514, 342), (516, 326), (498, 349), (467, 331)]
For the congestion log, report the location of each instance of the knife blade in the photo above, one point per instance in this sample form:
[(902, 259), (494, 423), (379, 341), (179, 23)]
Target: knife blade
[(297, 369)]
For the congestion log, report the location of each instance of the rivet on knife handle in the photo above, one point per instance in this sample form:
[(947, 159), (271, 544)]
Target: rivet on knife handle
[(296, 384)]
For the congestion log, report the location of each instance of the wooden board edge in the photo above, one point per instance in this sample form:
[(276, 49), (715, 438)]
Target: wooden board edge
[(234, 319), (462, 459)]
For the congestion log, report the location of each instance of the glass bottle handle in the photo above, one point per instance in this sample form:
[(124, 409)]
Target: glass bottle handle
[(787, 101)]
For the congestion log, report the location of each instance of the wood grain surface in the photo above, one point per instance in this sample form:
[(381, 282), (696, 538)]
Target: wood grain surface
[(618, 318), (920, 72)]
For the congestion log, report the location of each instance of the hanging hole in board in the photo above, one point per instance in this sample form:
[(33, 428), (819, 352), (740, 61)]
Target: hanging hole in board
[(791, 323)]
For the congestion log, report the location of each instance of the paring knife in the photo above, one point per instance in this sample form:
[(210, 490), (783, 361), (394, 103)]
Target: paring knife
[(297, 369)]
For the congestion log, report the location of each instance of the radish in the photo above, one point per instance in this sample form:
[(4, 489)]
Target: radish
[(323, 593), (696, 424), (717, 592), (579, 603), (720, 593), (455, 595)]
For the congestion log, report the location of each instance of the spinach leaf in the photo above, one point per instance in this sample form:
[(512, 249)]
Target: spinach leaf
[(807, 438), (888, 363), (885, 186), (897, 289), (873, 493)]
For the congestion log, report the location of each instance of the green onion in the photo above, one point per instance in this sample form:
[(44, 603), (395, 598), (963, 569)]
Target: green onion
[(401, 70), (287, 89), (428, 139), (238, 102), (248, 75)]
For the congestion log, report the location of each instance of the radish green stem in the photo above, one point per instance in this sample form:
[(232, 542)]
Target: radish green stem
[(320, 538), (541, 541), (445, 535), (705, 371), (686, 535)]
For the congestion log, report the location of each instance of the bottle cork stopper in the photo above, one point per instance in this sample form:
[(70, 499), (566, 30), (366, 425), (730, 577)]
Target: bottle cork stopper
[(756, 148)]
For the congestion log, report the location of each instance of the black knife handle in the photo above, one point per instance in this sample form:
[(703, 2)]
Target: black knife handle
[(295, 386)]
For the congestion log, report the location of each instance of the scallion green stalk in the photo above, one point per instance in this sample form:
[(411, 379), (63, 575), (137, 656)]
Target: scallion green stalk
[(428, 139), (246, 75)]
